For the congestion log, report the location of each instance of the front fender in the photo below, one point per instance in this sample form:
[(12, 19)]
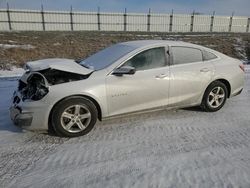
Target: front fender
[(62, 91)]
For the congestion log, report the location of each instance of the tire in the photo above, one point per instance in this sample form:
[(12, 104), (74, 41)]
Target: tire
[(74, 116), (214, 97)]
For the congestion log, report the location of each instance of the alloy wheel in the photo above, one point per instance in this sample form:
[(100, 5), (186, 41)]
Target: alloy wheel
[(75, 118), (216, 97)]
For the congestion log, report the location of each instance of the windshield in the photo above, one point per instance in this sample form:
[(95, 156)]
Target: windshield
[(106, 57)]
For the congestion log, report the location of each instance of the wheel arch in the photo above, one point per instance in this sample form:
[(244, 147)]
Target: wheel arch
[(227, 84), (224, 81), (99, 111)]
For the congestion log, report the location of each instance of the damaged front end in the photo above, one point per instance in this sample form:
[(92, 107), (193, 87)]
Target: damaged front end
[(32, 87), (35, 85)]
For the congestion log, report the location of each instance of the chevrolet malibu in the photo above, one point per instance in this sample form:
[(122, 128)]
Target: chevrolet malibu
[(69, 96)]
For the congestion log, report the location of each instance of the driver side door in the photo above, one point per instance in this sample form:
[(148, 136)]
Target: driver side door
[(147, 88)]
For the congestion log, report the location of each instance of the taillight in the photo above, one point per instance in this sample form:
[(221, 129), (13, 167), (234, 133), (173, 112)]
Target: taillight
[(242, 67)]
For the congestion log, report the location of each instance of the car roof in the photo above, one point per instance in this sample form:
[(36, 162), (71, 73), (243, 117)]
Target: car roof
[(145, 43), (148, 43)]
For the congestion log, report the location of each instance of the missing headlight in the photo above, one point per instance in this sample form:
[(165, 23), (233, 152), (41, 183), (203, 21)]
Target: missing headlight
[(36, 87)]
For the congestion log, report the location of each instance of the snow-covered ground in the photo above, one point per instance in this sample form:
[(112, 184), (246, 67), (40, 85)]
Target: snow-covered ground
[(22, 46), (14, 72), (176, 148)]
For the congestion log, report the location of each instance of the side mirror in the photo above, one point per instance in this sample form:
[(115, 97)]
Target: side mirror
[(124, 70)]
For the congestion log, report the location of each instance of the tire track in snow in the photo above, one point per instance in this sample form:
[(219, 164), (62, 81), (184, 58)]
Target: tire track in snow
[(20, 150), (121, 131), (22, 156), (177, 148), (82, 152)]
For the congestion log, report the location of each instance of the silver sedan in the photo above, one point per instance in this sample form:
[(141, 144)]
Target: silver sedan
[(69, 96)]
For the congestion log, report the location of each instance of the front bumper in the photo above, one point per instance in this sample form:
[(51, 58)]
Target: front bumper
[(20, 119), (31, 115)]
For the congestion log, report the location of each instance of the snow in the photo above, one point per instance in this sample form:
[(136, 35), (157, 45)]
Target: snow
[(14, 72), (57, 44), (247, 68), (175, 148), (240, 48), (22, 46)]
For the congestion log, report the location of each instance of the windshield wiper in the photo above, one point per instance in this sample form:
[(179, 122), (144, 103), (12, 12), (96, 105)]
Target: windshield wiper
[(78, 61), (81, 62), (86, 66)]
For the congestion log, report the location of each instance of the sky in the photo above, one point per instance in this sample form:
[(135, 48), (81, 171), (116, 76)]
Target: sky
[(221, 7)]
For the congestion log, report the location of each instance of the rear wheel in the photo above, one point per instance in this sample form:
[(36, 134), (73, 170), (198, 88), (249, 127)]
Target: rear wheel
[(75, 116), (214, 97)]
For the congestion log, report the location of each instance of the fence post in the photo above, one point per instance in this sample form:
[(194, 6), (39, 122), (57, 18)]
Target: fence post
[(148, 22), (71, 18), (42, 15), (171, 21), (248, 23), (8, 15), (192, 22), (125, 19), (98, 19), (230, 22), (212, 22)]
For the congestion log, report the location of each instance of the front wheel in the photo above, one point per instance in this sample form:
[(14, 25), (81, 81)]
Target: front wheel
[(214, 97), (75, 116)]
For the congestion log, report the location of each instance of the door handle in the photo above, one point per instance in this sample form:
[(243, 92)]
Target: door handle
[(204, 70), (161, 76)]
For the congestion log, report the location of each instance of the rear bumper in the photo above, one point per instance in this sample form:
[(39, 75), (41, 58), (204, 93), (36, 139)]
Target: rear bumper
[(237, 93)]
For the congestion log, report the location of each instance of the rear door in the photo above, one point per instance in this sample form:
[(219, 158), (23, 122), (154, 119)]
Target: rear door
[(189, 74), (147, 88)]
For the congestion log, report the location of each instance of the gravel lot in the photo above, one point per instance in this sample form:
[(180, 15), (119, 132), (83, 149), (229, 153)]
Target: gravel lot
[(174, 148)]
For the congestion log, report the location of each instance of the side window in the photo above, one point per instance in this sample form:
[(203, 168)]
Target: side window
[(208, 55), (183, 55), (148, 59)]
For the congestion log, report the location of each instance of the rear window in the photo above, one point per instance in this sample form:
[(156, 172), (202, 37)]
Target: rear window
[(183, 55), (208, 56)]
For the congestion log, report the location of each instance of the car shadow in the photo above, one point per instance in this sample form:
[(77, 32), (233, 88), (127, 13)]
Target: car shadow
[(6, 124), (194, 108), (10, 127)]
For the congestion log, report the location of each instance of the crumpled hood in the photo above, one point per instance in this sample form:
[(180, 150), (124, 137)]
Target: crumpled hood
[(68, 65)]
